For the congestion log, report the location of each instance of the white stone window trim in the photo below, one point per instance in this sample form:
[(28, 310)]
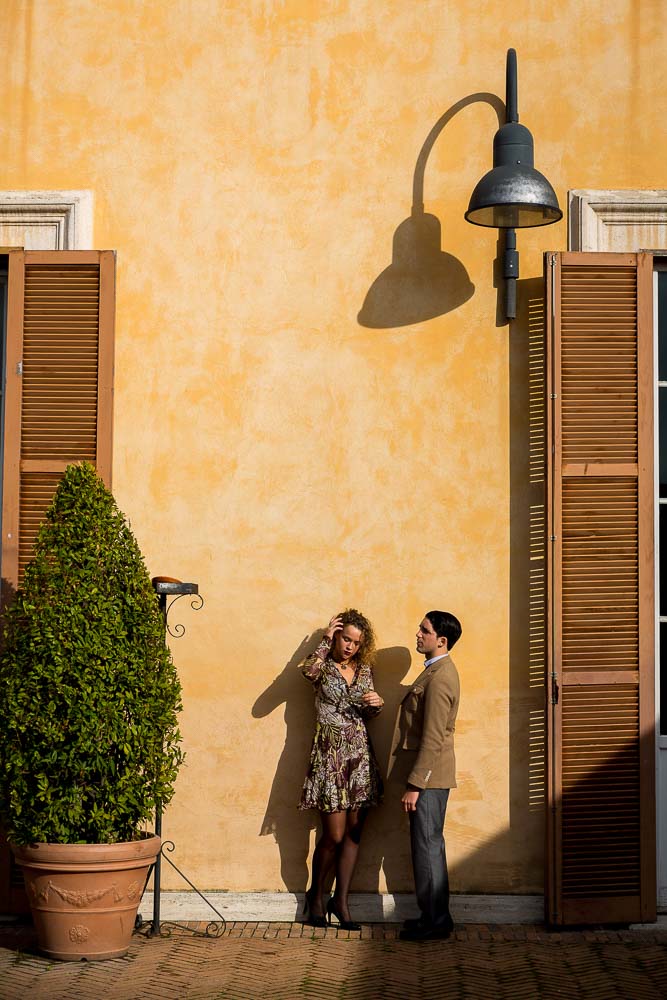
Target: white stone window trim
[(608, 219), (69, 213)]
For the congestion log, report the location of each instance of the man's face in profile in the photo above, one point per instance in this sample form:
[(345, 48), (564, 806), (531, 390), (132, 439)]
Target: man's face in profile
[(428, 643)]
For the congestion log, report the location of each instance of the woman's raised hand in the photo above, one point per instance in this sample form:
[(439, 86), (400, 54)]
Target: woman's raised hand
[(335, 625)]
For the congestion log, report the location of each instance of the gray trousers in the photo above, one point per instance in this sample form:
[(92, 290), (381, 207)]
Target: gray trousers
[(429, 862)]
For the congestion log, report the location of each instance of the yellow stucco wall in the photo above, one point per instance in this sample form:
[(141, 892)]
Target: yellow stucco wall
[(250, 162)]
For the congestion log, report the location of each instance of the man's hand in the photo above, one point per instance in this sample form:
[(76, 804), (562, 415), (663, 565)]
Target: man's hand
[(409, 800)]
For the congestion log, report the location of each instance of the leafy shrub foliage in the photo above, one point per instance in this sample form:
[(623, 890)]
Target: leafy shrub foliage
[(89, 696)]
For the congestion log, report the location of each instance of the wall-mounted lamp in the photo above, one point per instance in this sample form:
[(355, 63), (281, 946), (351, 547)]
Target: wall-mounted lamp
[(422, 281), (513, 195)]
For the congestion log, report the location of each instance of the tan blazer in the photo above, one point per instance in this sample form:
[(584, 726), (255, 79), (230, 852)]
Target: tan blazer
[(424, 735)]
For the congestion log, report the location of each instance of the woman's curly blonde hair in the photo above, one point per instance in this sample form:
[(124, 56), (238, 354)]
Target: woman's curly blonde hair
[(366, 651)]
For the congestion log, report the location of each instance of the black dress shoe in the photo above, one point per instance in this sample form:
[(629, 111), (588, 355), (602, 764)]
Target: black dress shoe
[(345, 925), (312, 919), (439, 932), (413, 922)]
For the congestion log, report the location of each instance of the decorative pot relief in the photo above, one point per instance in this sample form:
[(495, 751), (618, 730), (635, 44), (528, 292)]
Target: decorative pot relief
[(78, 898), (78, 933), (133, 890)]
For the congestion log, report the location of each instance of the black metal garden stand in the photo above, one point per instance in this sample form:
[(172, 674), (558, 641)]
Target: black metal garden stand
[(165, 588)]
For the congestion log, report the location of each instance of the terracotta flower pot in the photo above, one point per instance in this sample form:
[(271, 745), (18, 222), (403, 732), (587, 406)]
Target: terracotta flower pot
[(84, 897)]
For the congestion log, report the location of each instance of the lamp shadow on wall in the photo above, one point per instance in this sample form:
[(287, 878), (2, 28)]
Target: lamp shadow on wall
[(291, 827), (422, 281)]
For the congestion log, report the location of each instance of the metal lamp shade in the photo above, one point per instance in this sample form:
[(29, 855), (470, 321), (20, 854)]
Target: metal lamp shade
[(513, 195)]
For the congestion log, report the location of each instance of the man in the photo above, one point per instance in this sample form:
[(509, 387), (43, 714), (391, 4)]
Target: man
[(424, 748)]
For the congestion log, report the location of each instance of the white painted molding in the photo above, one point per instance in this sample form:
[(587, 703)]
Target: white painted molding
[(47, 220), (659, 925), (366, 907), (622, 221)]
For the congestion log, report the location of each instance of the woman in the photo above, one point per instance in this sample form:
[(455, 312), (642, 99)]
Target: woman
[(343, 780)]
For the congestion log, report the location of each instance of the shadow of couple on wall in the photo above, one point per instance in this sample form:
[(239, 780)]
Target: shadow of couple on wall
[(290, 826), (508, 859)]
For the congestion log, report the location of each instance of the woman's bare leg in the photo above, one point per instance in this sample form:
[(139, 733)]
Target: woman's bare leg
[(324, 858), (346, 859)]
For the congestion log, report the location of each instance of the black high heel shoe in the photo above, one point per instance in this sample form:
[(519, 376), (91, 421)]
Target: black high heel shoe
[(345, 925), (312, 919)]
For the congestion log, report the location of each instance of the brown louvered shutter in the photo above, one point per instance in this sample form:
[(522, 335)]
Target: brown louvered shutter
[(58, 409), (59, 385), (601, 725)]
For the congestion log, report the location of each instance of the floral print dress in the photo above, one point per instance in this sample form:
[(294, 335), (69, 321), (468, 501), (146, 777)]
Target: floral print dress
[(343, 772)]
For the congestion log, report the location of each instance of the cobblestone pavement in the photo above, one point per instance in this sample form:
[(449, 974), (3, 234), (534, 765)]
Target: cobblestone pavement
[(258, 960)]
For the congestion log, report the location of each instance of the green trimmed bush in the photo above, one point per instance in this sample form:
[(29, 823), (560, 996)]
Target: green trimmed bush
[(89, 696)]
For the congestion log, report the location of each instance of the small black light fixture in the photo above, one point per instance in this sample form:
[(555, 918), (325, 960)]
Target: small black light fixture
[(513, 195)]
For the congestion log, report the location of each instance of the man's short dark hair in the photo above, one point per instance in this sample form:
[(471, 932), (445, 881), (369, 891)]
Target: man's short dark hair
[(445, 624)]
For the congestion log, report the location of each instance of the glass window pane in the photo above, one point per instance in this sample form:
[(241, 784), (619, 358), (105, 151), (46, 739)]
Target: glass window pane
[(662, 326), (663, 559), (662, 439)]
